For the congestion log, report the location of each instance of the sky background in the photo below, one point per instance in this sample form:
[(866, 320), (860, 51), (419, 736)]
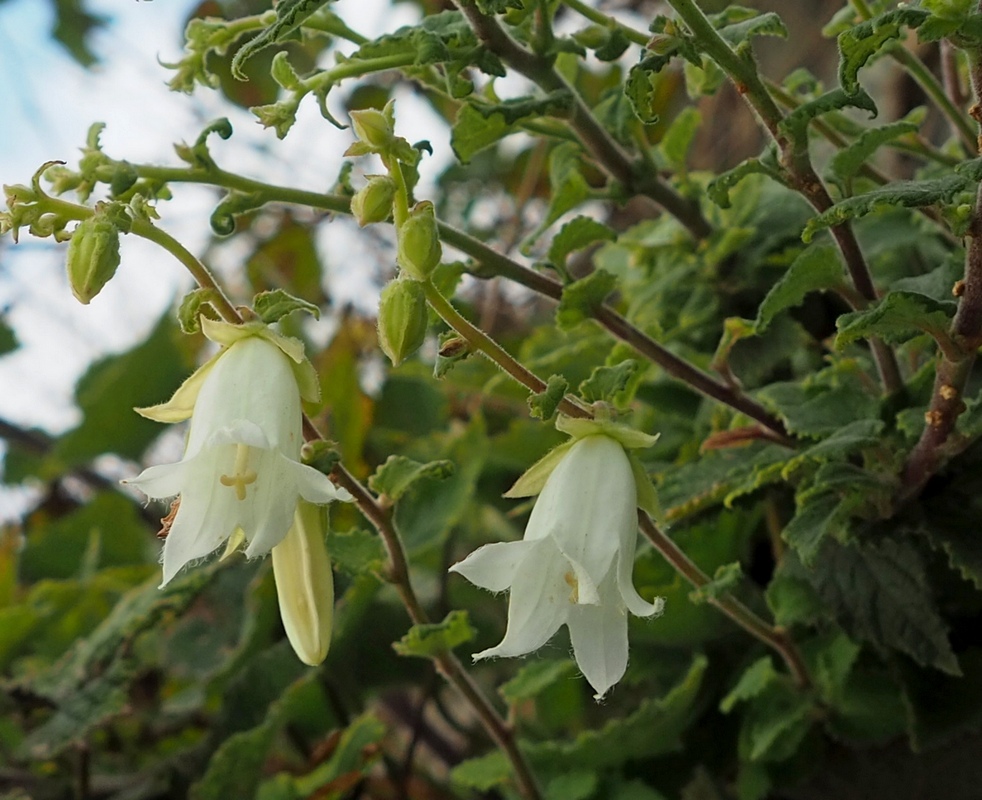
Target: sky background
[(50, 102)]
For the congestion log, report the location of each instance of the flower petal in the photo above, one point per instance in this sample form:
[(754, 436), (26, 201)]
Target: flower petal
[(599, 637), (164, 480), (493, 566), (314, 485), (636, 604), (539, 603)]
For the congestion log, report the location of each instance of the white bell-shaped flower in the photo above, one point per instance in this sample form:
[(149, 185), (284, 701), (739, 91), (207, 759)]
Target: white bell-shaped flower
[(574, 565), (241, 470)]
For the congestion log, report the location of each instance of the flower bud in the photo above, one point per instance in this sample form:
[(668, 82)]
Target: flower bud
[(93, 256), (305, 585), (419, 245), (373, 203), (373, 127), (402, 319)]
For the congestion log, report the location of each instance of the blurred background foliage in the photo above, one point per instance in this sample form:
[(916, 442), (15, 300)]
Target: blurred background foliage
[(112, 688)]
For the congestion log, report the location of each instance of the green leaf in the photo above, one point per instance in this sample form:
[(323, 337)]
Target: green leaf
[(848, 161), (908, 194), (356, 753), (753, 681), (581, 298), (818, 410), (356, 551), (654, 729), (433, 639), (726, 578), (114, 386), (568, 187), (196, 303), (534, 678), (775, 723), (795, 124), (640, 91), (818, 515), (818, 268), (868, 39), (896, 318), (399, 473), (605, 383), (483, 773), (719, 187), (879, 594), (473, 131), (573, 785), (289, 15), (575, 235), (678, 138), (544, 404)]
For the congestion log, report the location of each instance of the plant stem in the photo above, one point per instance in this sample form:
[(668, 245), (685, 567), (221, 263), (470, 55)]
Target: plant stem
[(491, 263), (774, 637), (480, 341), (796, 161), (198, 270), (594, 137), (947, 400), (446, 662)]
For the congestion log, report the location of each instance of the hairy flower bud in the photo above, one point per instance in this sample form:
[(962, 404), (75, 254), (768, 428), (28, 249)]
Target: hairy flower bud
[(93, 256), (305, 585), (374, 127), (402, 319), (419, 244), (373, 203)]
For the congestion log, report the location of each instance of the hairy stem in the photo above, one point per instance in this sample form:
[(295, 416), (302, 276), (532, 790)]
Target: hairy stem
[(447, 663), (491, 263), (594, 137), (947, 401)]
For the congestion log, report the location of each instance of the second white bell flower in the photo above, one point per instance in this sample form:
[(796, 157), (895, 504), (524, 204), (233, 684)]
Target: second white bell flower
[(241, 469), (575, 563)]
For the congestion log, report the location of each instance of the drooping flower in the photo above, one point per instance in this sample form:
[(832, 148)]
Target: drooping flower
[(574, 565), (241, 472)]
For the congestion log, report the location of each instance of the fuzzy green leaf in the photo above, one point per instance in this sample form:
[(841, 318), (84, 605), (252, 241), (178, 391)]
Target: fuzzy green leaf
[(274, 305), (429, 640), (544, 404), (194, 304), (795, 125), (483, 773), (289, 15), (399, 473), (868, 39), (534, 678), (575, 235), (653, 729), (818, 410), (896, 318), (753, 681), (818, 268), (879, 593), (605, 383), (678, 138), (719, 187), (356, 551), (581, 298), (726, 578), (848, 161)]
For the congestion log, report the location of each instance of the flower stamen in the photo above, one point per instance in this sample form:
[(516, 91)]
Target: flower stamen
[(574, 585), (242, 476)]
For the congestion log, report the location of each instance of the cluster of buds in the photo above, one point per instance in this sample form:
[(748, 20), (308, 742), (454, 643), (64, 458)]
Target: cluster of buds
[(402, 315)]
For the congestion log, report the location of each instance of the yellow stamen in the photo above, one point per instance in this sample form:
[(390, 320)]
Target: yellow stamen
[(242, 476), (574, 585)]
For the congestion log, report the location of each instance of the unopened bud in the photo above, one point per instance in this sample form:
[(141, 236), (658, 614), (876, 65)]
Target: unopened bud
[(305, 585), (373, 202), (419, 244), (402, 319), (93, 256), (373, 127)]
